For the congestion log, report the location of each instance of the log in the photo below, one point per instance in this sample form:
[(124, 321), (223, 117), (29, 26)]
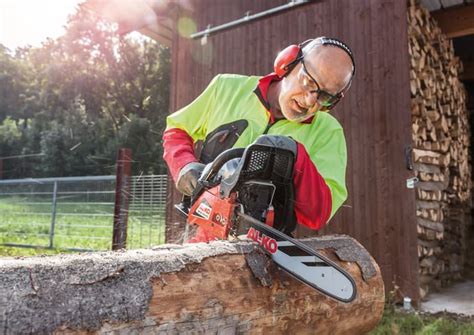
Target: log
[(428, 204), (431, 186), (195, 288), (430, 195), (436, 226), (431, 157)]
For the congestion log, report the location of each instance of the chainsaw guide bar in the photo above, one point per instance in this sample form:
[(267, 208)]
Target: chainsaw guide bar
[(301, 261)]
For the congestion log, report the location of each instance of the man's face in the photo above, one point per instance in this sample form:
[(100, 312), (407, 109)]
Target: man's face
[(329, 66)]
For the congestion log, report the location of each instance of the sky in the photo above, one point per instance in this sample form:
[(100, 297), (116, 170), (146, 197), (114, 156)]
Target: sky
[(30, 22)]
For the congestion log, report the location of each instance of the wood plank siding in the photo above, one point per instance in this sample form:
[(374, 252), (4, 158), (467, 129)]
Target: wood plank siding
[(380, 211)]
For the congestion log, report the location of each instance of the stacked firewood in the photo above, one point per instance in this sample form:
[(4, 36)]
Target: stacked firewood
[(441, 140)]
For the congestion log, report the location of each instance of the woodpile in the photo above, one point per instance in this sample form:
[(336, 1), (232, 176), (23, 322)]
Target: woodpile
[(441, 140), (216, 288)]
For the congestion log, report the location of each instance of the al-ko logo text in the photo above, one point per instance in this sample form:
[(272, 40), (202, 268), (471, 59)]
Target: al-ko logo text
[(270, 244)]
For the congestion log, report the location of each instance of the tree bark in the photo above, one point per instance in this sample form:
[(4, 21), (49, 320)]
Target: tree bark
[(217, 288)]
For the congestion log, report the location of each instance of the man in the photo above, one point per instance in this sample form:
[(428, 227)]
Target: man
[(290, 108)]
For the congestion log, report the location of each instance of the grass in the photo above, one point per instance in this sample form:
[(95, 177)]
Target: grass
[(27, 252), (396, 321), (77, 226)]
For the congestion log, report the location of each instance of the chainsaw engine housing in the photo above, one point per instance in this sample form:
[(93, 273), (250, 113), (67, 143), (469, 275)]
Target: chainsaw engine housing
[(262, 180)]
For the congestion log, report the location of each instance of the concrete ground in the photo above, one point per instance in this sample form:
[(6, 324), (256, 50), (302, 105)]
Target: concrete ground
[(458, 299)]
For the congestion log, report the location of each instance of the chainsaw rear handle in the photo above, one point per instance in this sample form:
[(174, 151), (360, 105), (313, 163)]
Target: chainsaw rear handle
[(213, 168)]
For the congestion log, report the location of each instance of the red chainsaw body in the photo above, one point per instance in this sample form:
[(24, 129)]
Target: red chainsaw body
[(213, 214), (227, 188)]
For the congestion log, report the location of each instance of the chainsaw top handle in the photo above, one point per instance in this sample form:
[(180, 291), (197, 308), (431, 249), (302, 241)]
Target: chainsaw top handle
[(210, 171)]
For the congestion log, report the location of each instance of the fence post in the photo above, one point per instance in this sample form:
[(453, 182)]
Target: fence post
[(53, 214), (122, 197)]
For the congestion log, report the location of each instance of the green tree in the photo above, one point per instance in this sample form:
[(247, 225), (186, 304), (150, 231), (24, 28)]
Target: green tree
[(78, 98)]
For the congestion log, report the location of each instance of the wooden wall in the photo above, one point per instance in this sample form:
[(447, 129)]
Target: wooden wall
[(380, 211)]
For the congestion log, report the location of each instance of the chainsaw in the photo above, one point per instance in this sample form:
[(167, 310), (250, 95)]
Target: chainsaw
[(245, 192)]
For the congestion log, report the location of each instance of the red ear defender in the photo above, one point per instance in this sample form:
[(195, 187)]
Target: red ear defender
[(285, 58)]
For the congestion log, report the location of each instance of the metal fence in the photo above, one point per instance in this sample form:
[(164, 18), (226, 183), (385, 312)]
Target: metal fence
[(76, 213), (147, 211)]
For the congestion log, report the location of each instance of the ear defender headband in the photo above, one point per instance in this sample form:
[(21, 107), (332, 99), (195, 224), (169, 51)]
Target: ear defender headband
[(287, 59)]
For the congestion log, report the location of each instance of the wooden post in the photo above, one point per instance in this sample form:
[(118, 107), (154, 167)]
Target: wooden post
[(122, 193)]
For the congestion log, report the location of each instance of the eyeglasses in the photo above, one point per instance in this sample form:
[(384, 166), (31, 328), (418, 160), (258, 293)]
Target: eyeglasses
[(324, 99)]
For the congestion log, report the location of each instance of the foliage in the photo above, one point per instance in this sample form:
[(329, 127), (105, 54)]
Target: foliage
[(397, 321), (75, 100), (9, 134)]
